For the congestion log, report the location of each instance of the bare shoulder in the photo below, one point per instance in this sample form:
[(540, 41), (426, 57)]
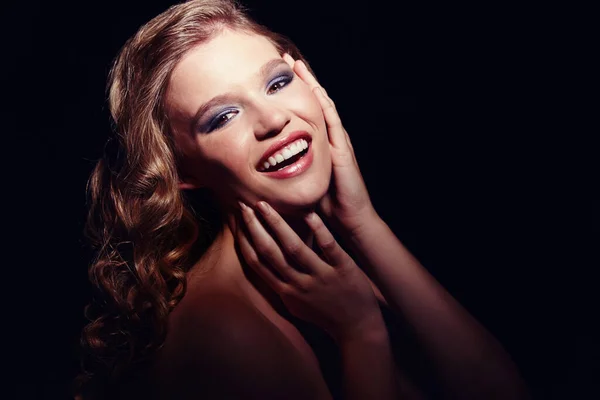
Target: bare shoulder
[(220, 346)]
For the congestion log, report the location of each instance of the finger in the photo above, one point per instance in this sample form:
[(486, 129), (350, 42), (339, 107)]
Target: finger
[(349, 144), (337, 135), (253, 260), (325, 206), (309, 78), (304, 74), (267, 248), (289, 59), (325, 240), (293, 246)]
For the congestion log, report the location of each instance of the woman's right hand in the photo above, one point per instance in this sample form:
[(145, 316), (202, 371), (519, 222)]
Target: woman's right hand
[(330, 291)]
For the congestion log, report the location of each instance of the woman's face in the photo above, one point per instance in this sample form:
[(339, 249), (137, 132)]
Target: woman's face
[(235, 107)]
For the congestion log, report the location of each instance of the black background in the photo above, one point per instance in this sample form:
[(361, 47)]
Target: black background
[(441, 105)]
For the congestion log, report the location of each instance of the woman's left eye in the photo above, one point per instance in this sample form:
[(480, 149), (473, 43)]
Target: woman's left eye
[(279, 83), (221, 120)]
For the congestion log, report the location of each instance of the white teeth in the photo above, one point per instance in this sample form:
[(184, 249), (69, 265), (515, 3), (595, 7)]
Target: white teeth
[(286, 153)]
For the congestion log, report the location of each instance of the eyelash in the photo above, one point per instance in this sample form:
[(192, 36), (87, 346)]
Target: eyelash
[(218, 122)]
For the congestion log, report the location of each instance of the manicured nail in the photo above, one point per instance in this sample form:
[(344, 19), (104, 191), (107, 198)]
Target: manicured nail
[(263, 207), (243, 206), (310, 218)]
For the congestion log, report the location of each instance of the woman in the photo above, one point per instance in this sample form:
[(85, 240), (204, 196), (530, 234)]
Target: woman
[(214, 266)]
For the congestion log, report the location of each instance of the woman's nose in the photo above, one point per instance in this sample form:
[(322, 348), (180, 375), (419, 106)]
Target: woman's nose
[(271, 120)]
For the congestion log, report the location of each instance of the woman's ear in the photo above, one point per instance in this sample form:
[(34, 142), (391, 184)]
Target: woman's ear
[(187, 186), (188, 183)]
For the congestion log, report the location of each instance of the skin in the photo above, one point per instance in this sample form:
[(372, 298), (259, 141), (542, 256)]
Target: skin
[(272, 223), (331, 291), (261, 110), (466, 360), (225, 160)]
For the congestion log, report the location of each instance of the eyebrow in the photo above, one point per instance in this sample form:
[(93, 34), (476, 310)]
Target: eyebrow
[(264, 71)]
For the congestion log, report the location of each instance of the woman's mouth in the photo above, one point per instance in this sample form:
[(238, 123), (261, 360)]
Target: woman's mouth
[(286, 156), (289, 161)]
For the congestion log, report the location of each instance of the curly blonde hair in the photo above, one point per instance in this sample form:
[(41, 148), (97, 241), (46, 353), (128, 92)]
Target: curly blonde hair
[(144, 230)]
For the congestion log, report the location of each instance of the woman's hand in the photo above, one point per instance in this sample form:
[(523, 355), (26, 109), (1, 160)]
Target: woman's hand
[(347, 203), (329, 291)]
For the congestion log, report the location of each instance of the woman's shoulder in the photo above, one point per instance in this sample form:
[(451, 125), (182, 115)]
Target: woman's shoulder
[(203, 314), (219, 343)]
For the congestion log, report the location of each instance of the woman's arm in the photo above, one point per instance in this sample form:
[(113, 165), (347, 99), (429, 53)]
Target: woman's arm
[(368, 366), (468, 360)]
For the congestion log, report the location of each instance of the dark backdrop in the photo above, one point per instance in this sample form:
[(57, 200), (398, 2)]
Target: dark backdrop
[(439, 104)]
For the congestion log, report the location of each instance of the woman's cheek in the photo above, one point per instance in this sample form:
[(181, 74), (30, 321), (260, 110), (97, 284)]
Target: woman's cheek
[(307, 106), (218, 170)]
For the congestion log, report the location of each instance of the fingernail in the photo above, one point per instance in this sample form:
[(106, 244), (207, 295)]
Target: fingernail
[(310, 217), (318, 90), (263, 207), (287, 55), (243, 206)]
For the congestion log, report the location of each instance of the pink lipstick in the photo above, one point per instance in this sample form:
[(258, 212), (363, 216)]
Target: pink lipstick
[(288, 157)]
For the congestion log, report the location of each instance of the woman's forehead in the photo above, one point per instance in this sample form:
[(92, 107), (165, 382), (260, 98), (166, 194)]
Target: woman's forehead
[(230, 60), (229, 56)]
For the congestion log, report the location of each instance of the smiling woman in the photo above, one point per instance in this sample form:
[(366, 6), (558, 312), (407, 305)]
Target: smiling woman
[(249, 102), (216, 276)]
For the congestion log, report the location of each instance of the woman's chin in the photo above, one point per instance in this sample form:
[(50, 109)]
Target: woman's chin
[(297, 206), (286, 200), (302, 192), (295, 210)]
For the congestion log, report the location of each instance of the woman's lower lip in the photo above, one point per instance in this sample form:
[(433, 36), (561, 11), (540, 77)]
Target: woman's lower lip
[(294, 169)]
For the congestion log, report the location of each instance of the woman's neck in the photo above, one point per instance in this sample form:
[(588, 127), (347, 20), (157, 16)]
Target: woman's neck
[(228, 268)]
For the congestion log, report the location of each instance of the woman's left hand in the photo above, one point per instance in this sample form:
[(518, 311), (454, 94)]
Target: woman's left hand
[(328, 290), (347, 202)]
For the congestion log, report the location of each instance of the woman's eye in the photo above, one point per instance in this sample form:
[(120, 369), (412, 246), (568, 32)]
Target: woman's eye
[(280, 83), (222, 120)]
